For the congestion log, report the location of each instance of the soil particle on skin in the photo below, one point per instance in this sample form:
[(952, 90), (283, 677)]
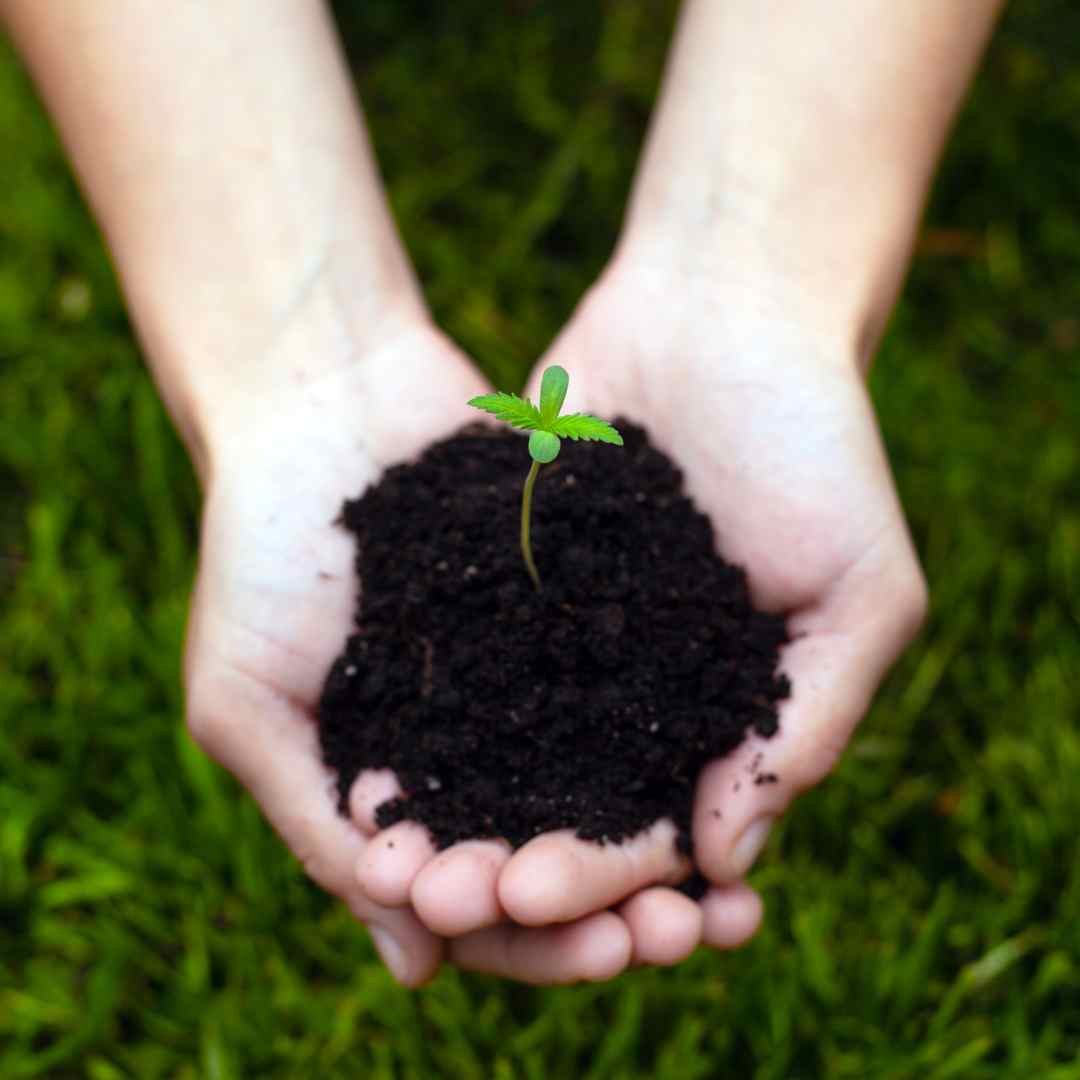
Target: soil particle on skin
[(592, 705)]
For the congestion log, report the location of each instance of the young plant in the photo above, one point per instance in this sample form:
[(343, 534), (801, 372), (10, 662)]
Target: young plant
[(547, 428)]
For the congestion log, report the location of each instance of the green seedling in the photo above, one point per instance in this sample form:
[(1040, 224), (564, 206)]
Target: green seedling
[(547, 428)]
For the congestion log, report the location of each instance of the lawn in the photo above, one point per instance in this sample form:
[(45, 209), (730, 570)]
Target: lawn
[(923, 906)]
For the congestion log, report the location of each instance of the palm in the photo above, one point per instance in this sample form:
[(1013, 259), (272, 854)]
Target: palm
[(276, 569), (785, 462)]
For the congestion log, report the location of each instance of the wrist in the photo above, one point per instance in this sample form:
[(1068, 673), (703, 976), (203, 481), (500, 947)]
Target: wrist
[(779, 276), (220, 374), (742, 295)]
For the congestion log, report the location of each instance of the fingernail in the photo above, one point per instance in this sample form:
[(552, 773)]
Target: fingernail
[(393, 956), (748, 847)]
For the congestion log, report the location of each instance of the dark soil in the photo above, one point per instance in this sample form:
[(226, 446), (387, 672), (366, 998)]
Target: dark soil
[(592, 705)]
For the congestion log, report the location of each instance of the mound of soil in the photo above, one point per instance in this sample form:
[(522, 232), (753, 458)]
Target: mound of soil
[(593, 704)]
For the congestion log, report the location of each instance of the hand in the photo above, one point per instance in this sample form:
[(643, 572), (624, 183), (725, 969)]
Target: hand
[(775, 433), (272, 607)]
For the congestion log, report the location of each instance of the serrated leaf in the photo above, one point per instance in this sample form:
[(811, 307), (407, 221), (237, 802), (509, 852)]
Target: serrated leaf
[(510, 409), (584, 426)]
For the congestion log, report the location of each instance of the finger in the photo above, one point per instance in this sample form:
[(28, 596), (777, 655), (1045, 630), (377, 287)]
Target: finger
[(390, 862), (664, 924), (838, 655), (593, 949), (410, 951), (558, 877), (457, 891), (731, 916), (370, 790), (280, 766)]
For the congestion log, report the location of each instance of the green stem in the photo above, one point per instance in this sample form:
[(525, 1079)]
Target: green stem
[(526, 512)]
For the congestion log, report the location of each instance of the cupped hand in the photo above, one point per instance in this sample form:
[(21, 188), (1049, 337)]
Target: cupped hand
[(772, 426), (272, 607)]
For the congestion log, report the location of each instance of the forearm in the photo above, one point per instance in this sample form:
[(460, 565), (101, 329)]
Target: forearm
[(794, 144), (224, 155)]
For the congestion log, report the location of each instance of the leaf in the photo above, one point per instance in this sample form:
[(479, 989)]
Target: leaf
[(583, 426), (552, 393), (512, 410), (543, 446)]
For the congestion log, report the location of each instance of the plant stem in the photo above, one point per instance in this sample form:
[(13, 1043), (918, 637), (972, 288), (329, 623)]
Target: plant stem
[(526, 512)]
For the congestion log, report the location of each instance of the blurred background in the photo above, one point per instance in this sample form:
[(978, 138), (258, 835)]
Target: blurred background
[(923, 907)]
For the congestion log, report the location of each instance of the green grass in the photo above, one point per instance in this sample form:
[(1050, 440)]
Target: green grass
[(923, 905)]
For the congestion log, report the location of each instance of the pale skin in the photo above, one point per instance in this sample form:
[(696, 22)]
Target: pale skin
[(224, 154)]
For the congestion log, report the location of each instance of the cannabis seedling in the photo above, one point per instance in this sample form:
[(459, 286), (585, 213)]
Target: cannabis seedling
[(547, 428)]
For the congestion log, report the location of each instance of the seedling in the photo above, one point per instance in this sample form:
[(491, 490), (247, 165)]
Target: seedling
[(547, 428)]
